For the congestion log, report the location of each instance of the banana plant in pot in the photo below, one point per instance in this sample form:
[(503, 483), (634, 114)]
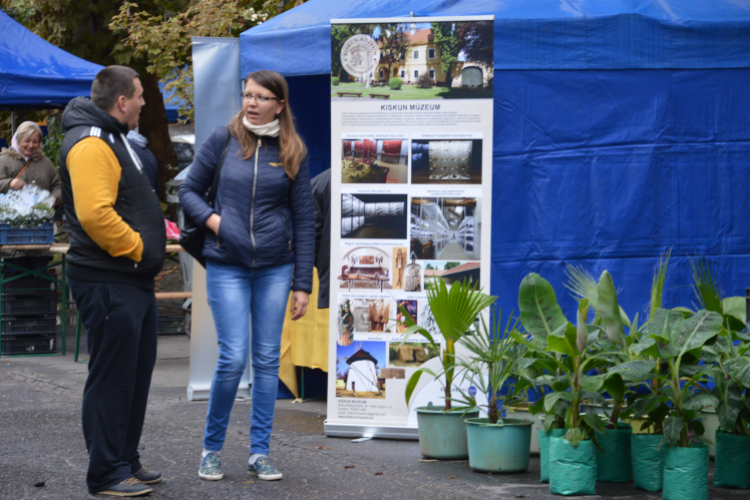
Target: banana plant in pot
[(442, 432), (496, 443), (567, 352), (676, 342)]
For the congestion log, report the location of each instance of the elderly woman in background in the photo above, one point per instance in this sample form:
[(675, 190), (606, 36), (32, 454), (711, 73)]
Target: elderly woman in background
[(25, 163)]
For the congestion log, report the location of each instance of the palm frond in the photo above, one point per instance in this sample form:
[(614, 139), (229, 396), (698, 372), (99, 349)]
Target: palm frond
[(657, 284), (706, 289)]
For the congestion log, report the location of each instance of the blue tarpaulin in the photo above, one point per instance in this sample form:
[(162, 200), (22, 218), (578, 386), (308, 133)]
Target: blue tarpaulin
[(35, 73), (621, 130)]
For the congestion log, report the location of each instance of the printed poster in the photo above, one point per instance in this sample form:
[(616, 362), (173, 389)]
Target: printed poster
[(411, 153)]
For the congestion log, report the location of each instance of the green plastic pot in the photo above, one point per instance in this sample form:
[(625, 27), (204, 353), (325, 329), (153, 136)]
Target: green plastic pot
[(648, 461), (615, 463), (498, 447), (686, 473), (544, 451), (443, 435), (732, 466), (572, 470)]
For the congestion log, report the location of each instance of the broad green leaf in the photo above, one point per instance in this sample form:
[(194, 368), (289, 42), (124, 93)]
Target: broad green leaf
[(552, 398), (697, 427), (540, 313), (609, 309), (730, 407), (662, 321), (524, 363), (413, 381), (636, 371), (672, 428), (735, 307), (700, 400), (615, 386), (692, 333), (595, 422), (592, 396), (574, 437), (592, 384), (563, 340), (646, 347), (739, 369)]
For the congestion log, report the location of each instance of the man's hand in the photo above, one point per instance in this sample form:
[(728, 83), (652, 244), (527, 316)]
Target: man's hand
[(299, 304), (213, 223), (16, 184)]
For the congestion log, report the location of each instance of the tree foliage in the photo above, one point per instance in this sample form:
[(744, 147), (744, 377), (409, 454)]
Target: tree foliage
[(448, 42), (476, 41)]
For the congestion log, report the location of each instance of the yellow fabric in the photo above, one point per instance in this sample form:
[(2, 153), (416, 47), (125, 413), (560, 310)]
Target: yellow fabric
[(304, 342), (94, 177)]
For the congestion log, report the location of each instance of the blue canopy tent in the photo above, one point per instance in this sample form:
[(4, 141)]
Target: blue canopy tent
[(621, 130)]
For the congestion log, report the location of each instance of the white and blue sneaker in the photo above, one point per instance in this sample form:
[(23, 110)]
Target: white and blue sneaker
[(210, 468)]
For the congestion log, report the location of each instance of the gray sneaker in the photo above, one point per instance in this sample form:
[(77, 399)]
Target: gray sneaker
[(210, 468), (264, 470)]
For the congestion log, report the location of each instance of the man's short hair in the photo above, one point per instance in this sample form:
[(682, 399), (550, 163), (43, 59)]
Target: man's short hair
[(110, 83)]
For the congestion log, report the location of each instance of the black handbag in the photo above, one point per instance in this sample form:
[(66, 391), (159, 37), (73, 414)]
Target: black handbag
[(193, 236)]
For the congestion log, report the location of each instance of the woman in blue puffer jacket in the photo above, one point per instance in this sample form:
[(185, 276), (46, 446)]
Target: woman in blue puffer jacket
[(260, 243)]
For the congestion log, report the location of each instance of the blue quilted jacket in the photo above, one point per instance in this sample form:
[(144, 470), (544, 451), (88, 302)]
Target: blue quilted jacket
[(268, 220)]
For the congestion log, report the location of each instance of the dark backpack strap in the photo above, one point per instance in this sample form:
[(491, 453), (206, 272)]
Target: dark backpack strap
[(211, 195)]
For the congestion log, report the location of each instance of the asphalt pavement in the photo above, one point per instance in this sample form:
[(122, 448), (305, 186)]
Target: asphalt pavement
[(42, 452)]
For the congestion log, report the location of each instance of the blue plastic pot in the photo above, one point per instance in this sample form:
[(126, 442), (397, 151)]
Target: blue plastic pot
[(498, 447), (443, 435)]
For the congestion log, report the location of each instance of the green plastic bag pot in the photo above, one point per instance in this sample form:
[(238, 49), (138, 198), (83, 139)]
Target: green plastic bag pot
[(544, 451), (443, 435), (732, 466), (686, 473), (615, 463), (572, 471), (498, 448), (648, 461)]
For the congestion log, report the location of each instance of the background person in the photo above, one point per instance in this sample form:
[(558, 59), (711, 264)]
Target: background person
[(117, 247), (260, 243), (25, 163)]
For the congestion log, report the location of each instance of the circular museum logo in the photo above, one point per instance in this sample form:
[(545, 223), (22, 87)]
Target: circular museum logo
[(360, 55)]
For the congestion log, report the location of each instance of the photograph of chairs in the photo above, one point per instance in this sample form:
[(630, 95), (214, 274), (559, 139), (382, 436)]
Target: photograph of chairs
[(374, 161), (445, 228), (373, 216), (446, 162)]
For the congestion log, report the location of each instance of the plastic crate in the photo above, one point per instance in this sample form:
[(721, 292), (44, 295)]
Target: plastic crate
[(29, 286), (28, 346), (171, 325), (29, 326), (41, 304), (27, 235)]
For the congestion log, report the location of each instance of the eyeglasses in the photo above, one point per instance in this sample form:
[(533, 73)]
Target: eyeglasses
[(258, 98)]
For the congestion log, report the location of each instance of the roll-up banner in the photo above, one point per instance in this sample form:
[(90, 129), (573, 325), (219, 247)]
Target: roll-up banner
[(411, 174)]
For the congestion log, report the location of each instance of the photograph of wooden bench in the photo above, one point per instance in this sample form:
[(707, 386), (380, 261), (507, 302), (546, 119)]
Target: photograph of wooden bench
[(349, 94), (380, 96)]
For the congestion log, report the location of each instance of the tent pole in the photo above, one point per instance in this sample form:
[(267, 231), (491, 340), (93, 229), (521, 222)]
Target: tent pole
[(13, 123)]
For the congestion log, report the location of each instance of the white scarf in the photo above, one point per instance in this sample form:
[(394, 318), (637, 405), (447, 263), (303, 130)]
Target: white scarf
[(267, 129)]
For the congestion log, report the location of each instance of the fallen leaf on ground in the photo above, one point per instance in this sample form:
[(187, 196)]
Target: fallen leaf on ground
[(378, 473), (426, 460), (453, 477), (348, 467), (248, 482), (322, 447)]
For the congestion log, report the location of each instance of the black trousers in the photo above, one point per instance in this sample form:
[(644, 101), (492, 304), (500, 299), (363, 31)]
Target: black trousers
[(121, 331)]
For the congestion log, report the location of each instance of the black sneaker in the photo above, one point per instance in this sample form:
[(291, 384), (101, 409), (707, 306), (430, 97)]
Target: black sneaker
[(147, 476), (127, 488)]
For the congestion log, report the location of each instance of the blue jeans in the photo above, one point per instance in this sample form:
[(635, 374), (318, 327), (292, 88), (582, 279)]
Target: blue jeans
[(237, 294)]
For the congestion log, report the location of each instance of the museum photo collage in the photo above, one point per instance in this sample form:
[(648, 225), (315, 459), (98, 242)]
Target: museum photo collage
[(394, 246)]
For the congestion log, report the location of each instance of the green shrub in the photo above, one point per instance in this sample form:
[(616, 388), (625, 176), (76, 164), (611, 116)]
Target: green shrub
[(424, 82), (395, 83), (335, 80)]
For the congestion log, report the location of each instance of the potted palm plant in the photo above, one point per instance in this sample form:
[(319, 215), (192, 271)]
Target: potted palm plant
[(496, 443), (442, 432)]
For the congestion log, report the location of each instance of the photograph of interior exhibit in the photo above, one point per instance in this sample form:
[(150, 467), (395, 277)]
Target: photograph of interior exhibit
[(373, 216), (372, 315), (451, 272), (374, 161), (446, 162), (366, 267), (358, 370), (445, 228)]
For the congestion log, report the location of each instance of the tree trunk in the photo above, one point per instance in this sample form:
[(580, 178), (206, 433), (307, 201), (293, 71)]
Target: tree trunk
[(153, 125), (448, 77)]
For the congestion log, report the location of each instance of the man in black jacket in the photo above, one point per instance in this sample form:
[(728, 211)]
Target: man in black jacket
[(117, 247)]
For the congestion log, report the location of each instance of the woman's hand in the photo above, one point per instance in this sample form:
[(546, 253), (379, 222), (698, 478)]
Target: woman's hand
[(16, 184), (213, 223), (299, 304)]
